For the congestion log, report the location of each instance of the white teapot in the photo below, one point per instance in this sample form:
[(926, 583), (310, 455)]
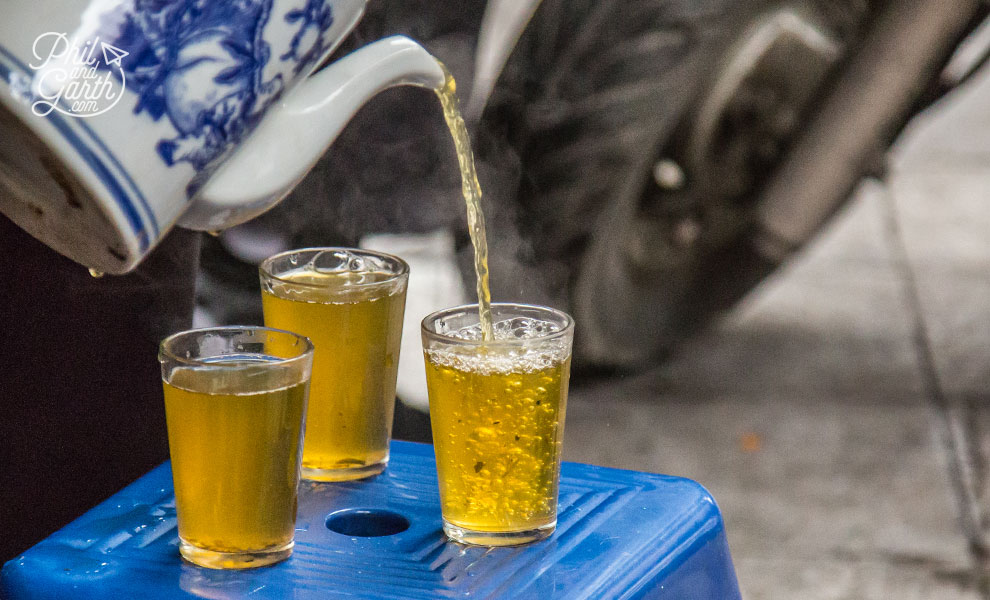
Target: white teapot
[(122, 118)]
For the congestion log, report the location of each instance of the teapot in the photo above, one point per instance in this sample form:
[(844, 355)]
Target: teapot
[(120, 119)]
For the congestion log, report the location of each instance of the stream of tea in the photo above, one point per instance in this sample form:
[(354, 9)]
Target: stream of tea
[(471, 189)]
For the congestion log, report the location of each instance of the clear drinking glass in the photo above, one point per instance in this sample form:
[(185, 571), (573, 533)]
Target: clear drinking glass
[(235, 404), (497, 410), (350, 303)]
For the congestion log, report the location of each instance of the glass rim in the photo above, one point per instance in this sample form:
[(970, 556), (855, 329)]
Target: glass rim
[(164, 352), (431, 318), (403, 267)]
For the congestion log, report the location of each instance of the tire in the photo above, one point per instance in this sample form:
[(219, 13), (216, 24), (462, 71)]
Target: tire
[(591, 93)]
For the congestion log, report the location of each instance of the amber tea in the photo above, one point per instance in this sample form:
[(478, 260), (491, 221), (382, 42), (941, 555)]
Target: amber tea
[(350, 303), (235, 439), (497, 409), (499, 440)]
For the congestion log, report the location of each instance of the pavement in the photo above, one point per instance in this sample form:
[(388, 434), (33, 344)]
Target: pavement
[(821, 412)]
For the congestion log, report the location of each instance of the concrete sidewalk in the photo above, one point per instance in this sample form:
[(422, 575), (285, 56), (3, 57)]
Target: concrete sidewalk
[(806, 411)]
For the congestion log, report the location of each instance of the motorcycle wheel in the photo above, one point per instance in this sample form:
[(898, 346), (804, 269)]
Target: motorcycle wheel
[(641, 168)]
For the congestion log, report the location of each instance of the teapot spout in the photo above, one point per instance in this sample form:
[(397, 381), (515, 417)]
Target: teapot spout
[(298, 128)]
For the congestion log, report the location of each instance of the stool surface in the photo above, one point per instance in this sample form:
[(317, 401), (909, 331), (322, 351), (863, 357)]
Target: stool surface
[(620, 534)]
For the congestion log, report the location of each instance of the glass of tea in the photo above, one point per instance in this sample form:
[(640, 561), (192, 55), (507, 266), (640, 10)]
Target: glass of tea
[(497, 410), (235, 404), (350, 303)]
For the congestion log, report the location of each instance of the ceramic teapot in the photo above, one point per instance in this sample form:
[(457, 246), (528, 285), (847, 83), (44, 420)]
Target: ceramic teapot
[(122, 118)]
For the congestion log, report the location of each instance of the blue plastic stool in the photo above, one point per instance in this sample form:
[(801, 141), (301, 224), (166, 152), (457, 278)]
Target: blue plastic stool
[(620, 534)]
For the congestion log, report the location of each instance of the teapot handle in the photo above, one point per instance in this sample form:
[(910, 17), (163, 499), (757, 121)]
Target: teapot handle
[(297, 129)]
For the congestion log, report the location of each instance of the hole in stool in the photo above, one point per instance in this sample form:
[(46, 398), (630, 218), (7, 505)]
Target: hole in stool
[(367, 522)]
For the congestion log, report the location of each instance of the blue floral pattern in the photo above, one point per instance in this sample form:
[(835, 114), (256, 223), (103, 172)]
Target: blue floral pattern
[(175, 44), (314, 17)]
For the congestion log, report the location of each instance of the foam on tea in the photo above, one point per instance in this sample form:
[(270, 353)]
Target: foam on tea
[(544, 351)]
